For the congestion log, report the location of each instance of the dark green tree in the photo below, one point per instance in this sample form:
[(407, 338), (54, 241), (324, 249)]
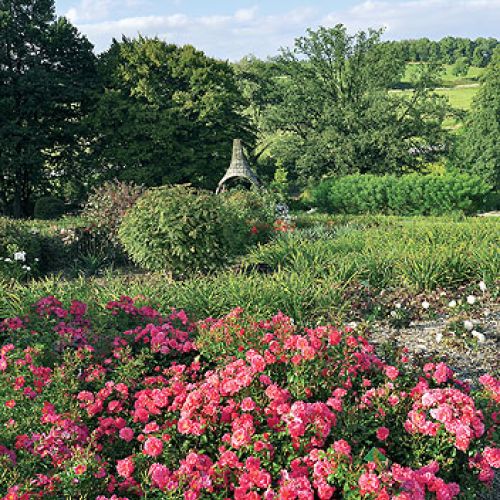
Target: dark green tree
[(478, 145), (47, 73), (168, 114), (337, 116)]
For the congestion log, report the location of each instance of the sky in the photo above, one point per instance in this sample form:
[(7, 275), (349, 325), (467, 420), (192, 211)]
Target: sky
[(231, 29)]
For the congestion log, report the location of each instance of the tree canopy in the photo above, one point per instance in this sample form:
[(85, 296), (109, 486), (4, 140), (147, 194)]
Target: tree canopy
[(334, 114), (47, 73), (167, 114)]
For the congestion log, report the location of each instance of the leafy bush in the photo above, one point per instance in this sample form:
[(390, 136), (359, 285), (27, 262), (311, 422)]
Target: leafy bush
[(411, 194), (252, 212), (179, 229), (129, 401), (19, 249), (48, 207), (108, 204)]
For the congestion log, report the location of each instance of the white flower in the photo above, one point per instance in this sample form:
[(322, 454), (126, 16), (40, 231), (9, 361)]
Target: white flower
[(36, 259), (8, 259), (482, 286), (20, 256), (425, 304), (27, 268), (471, 299), (468, 325), (479, 336), (439, 337), (452, 303), (397, 306)]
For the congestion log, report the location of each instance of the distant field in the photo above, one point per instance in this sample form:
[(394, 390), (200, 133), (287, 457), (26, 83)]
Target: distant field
[(460, 97), (448, 79)]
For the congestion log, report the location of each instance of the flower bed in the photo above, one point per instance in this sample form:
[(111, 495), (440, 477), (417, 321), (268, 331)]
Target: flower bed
[(125, 402)]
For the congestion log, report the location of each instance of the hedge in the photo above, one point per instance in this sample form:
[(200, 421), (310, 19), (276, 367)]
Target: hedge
[(411, 194)]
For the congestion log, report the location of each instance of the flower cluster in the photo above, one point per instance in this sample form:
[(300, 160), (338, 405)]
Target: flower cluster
[(229, 408)]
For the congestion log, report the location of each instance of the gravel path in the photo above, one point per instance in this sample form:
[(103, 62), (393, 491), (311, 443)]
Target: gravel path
[(469, 361)]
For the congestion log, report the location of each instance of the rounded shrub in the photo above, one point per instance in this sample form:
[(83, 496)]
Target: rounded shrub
[(178, 229), (48, 208)]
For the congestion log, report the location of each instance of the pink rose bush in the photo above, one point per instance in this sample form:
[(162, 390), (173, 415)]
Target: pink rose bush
[(128, 402)]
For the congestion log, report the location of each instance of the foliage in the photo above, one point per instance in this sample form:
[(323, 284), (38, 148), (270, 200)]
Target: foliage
[(48, 207), (461, 67), (478, 149), (252, 212), (448, 50), (168, 114), (388, 252), (20, 250), (178, 229), (335, 115), (127, 401), (411, 194), (108, 204), (280, 184), (307, 274), (47, 76)]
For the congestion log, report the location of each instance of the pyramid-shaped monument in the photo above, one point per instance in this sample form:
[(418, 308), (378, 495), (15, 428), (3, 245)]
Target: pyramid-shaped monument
[(239, 168)]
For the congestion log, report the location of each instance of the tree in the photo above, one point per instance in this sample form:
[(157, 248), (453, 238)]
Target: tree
[(168, 114), (461, 67), (47, 72), (336, 116), (478, 147)]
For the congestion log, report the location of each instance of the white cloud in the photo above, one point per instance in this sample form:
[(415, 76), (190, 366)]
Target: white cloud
[(94, 10), (418, 18), (251, 30)]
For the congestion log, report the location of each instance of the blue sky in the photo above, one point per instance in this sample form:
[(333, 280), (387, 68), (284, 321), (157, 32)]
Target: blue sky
[(231, 29)]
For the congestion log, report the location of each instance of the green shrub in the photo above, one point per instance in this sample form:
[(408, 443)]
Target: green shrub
[(48, 208), (107, 205), (252, 214), (178, 229), (411, 194), (19, 249)]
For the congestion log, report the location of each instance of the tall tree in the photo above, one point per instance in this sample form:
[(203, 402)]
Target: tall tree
[(47, 70), (168, 114), (479, 145), (336, 115)]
